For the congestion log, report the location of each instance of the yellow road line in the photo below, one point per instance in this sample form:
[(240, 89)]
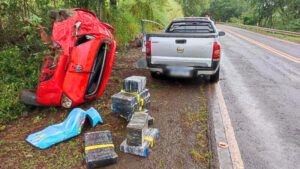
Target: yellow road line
[(232, 143), (287, 56)]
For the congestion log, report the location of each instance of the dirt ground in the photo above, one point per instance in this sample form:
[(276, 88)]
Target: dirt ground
[(177, 105)]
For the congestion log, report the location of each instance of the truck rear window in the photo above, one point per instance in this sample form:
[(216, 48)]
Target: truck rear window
[(191, 27)]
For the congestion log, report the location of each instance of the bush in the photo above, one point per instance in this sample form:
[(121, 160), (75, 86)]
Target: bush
[(17, 72), (235, 20), (294, 25)]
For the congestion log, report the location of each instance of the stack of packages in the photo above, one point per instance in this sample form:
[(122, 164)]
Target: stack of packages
[(134, 97), (99, 149), (139, 137)]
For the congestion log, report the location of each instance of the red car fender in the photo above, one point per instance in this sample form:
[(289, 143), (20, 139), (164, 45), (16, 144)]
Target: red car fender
[(49, 92)]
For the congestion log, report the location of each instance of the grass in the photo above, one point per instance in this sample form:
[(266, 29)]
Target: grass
[(118, 79), (64, 155), (157, 86), (161, 162), (200, 152)]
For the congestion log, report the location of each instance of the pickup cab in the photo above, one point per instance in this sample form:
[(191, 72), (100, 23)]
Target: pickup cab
[(189, 47)]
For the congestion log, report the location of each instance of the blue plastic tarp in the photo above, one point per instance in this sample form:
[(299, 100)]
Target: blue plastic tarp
[(69, 128)]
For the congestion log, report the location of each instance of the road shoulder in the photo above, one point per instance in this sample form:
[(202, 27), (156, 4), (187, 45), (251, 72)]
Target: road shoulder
[(216, 132)]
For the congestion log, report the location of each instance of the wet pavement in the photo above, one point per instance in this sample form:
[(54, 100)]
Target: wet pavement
[(262, 93)]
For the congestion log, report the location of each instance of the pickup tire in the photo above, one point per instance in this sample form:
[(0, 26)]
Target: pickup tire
[(154, 75), (215, 78)]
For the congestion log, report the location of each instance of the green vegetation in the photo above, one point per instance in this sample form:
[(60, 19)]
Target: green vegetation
[(157, 86), (281, 36), (22, 52), (199, 152), (18, 70), (65, 155), (277, 14), (161, 162), (126, 18)]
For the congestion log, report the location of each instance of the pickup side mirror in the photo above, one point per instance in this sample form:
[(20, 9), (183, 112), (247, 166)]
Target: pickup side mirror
[(221, 33)]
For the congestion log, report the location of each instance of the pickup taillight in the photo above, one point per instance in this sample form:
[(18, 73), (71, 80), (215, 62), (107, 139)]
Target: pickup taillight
[(216, 51), (148, 48), (148, 53)]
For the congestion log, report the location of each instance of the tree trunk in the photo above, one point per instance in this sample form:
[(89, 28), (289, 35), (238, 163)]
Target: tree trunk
[(100, 9), (1, 32), (271, 21), (86, 4), (67, 3)]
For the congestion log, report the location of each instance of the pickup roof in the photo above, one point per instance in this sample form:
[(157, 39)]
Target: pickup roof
[(189, 47)]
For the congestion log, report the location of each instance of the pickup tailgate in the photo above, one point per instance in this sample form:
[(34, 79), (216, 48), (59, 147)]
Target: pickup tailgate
[(182, 51)]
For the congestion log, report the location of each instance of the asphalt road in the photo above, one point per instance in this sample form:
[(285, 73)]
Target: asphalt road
[(261, 89)]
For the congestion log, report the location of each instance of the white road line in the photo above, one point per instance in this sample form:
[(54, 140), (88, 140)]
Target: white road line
[(232, 143)]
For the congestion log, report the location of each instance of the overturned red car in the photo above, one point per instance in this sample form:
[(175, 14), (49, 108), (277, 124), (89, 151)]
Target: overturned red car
[(80, 71)]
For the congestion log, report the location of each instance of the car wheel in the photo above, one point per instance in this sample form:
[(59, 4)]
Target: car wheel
[(215, 78), (28, 97)]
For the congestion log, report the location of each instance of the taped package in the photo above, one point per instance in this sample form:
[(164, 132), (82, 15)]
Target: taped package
[(99, 149), (151, 135)]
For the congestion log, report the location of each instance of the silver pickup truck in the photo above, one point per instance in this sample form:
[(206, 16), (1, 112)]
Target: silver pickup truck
[(189, 47)]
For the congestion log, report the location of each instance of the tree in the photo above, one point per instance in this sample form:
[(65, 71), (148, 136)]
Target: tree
[(194, 7), (223, 10), (267, 8), (100, 9)]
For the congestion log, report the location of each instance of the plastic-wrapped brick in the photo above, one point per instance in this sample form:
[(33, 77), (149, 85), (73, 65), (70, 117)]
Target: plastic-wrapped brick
[(134, 84), (135, 150), (126, 104), (129, 99), (136, 129), (150, 135), (150, 118), (99, 149), (123, 109), (135, 106)]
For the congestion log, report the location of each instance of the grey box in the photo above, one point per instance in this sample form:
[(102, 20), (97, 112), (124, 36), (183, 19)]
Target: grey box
[(134, 84), (136, 129), (99, 156)]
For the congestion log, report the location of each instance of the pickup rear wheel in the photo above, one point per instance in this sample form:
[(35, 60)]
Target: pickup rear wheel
[(215, 78), (154, 75)]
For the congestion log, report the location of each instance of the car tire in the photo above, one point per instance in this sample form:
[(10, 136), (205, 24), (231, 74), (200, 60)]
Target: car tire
[(28, 97), (215, 77)]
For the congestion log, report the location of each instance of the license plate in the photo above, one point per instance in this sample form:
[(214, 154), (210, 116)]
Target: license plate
[(180, 72)]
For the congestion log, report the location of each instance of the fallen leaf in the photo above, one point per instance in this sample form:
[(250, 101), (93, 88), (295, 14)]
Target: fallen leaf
[(2, 128)]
